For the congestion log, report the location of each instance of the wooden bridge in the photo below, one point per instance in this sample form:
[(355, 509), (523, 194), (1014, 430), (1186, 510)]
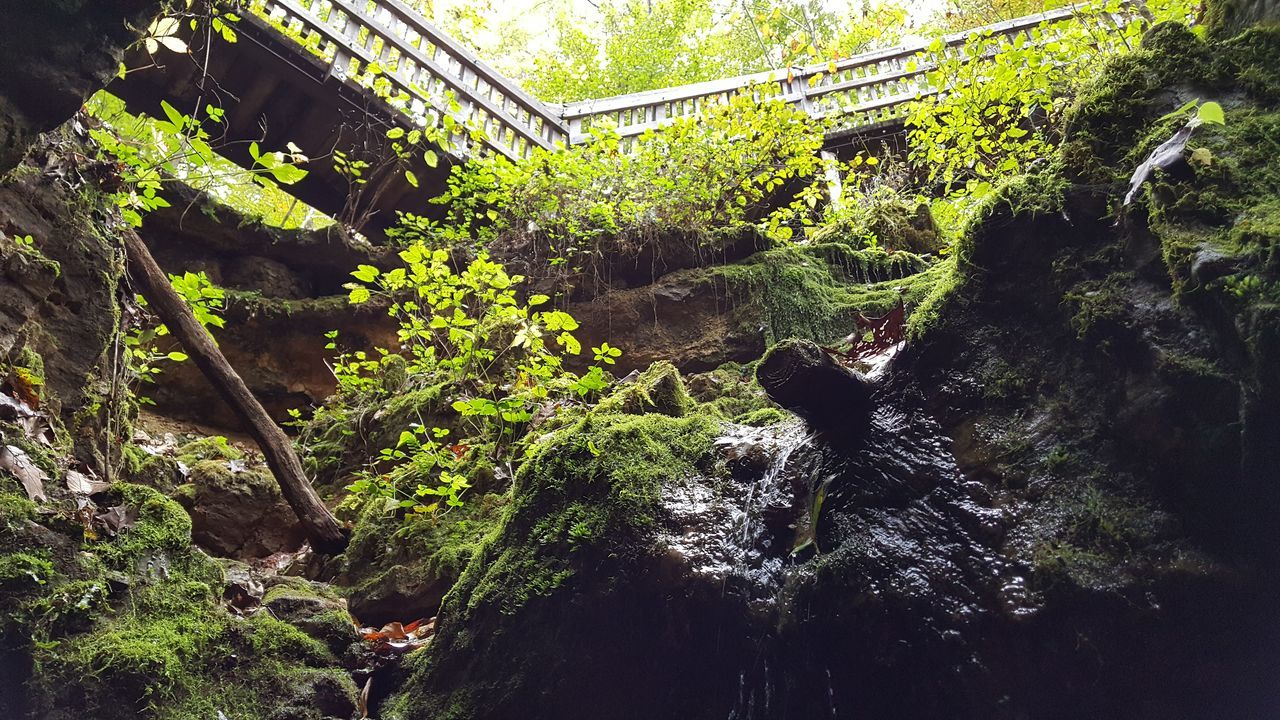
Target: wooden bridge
[(339, 74)]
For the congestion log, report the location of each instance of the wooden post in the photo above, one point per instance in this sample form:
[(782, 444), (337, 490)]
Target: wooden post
[(321, 527)]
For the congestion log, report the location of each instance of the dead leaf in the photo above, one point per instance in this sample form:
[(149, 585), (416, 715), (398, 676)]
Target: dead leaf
[(390, 631), (243, 591), (885, 331), (396, 638), (80, 484), (16, 461), (118, 519), (33, 423), (364, 698), (1167, 155)]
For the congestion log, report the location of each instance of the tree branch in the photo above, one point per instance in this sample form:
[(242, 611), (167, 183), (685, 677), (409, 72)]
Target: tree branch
[(321, 527)]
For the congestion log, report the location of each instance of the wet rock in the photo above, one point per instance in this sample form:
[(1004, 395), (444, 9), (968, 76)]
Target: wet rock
[(237, 512), (1210, 264), (803, 378)]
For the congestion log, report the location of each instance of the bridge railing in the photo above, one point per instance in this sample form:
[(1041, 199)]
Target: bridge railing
[(416, 68), (419, 70), (860, 91)]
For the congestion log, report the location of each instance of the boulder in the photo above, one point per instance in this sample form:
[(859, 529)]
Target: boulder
[(237, 512)]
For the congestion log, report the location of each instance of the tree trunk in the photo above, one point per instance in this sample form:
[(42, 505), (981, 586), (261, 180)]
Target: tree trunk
[(321, 527), (803, 378)]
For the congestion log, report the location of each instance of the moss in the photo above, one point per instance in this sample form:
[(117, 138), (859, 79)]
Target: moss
[(132, 626), (356, 426), (424, 556), (312, 609), (1003, 381), (590, 489), (983, 246), (583, 513), (414, 405), (763, 417), (885, 219), (15, 510), (929, 309), (21, 571), (730, 391), (815, 291), (658, 389), (153, 470), (159, 538), (214, 447), (1101, 307)]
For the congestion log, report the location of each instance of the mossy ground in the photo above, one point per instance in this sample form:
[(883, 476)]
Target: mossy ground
[(131, 626)]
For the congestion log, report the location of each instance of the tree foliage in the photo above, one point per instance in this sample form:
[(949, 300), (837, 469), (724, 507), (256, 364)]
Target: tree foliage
[(496, 357), (633, 46), (1001, 97), (697, 174)]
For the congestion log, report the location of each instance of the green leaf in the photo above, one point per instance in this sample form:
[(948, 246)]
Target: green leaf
[(172, 113), (1182, 110), (177, 356), (365, 273), (1211, 112)]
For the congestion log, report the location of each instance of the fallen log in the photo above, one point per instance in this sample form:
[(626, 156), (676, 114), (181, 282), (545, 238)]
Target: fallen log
[(320, 525), (803, 378)]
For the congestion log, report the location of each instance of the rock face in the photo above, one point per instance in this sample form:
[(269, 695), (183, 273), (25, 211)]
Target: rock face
[(58, 297), (56, 53), (1231, 16), (701, 318), (1064, 501), (284, 293)]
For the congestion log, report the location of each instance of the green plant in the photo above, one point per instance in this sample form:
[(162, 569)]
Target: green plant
[(499, 357), (1001, 97), (614, 195), (143, 345), (421, 454), (179, 148)]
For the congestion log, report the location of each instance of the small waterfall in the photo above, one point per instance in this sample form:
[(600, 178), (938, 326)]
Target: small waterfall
[(757, 565), (760, 562)]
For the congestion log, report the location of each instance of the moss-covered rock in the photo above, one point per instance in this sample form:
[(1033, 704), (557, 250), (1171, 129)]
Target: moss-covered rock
[(312, 608), (568, 561), (130, 625), (399, 569), (701, 318), (237, 511)]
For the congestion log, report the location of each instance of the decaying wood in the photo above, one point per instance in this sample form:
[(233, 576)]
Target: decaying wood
[(320, 525), (803, 378)]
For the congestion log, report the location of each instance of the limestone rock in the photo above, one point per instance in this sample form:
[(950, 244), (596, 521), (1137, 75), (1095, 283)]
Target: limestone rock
[(238, 513)]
